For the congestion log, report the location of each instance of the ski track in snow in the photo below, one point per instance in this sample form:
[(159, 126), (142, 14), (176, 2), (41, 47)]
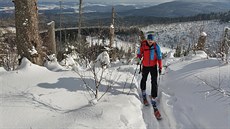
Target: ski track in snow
[(167, 100), (165, 107)]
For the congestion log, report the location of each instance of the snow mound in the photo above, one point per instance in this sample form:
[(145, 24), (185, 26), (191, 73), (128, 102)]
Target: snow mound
[(170, 54), (53, 66), (165, 50), (170, 58), (69, 61), (196, 55), (2, 69), (103, 59), (27, 65)]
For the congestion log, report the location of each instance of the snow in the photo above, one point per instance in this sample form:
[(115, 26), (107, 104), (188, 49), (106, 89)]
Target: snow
[(34, 97), (203, 34), (226, 28), (193, 94), (33, 51), (172, 34), (117, 43), (54, 66), (195, 104), (111, 26), (7, 30), (103, 59), (50, 23), (25, 22)]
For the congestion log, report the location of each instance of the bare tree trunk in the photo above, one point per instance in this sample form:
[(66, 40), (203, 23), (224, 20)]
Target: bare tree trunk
[(112, 29), (51, 38), (80, 19), (226, 45), (29, 43), (60, 22)]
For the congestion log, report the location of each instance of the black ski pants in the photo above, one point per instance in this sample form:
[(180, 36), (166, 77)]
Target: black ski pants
[(153, 71)]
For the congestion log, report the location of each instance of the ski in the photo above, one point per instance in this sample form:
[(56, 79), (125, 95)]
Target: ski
[(156, 113)]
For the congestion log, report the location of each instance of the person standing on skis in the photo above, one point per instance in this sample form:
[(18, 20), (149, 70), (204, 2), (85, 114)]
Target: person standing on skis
[(151, 56)]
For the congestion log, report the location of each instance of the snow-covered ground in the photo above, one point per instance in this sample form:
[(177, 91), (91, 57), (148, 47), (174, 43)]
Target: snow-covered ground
[(34, 97), (194, 94), (185, 33)]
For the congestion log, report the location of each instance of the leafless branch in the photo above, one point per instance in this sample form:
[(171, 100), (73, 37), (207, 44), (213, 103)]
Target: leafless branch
[(109, 87), (85, 84)]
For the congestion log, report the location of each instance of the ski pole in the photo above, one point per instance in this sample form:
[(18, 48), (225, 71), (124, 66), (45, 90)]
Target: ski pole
[(133, 79), (140, 69), (159, 77)]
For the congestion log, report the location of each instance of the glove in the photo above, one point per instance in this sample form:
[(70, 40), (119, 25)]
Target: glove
[(159, 71), (138, 61)]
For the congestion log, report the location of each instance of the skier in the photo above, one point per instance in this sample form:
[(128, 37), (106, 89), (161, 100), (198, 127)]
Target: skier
[(151, 63)]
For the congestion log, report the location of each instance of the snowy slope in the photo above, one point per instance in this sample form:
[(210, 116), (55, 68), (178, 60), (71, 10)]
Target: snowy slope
[(34, 97), (194, 94)]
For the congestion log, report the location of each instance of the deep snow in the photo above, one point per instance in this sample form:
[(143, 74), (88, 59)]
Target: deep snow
[(193, 94)]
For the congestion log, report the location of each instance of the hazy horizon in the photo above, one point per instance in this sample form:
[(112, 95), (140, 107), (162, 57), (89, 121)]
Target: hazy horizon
[(127, 1), (131, 1)]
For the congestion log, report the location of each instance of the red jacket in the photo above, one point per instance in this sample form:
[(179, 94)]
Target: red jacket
[(151, 54)]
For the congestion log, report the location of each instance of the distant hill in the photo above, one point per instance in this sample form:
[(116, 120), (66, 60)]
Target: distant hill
[(6, 3), (168, 9), (127, 14), (179, 8)]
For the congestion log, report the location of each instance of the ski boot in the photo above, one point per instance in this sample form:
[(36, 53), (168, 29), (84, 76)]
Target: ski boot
[(145, 102), (157, 113)]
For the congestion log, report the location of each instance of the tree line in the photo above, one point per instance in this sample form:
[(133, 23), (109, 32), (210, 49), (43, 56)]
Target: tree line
[(71, 19)]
